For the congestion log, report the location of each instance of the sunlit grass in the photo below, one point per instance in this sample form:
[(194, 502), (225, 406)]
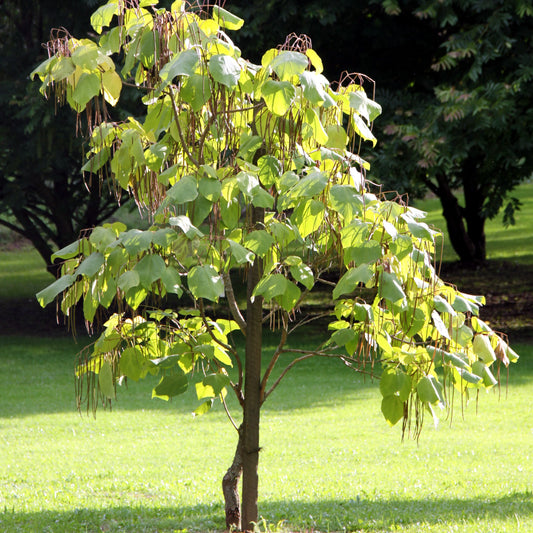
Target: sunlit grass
[(22, 274), (512, 243), (328, 460)]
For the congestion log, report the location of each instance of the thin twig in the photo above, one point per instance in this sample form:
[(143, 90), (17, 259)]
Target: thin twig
[(275, 357), (178, 127)]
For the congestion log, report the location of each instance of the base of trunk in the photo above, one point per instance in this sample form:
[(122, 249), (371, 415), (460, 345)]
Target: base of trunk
[(230, 487)]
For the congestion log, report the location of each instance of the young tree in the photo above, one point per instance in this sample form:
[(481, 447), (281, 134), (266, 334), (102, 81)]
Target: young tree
[(252, 168)]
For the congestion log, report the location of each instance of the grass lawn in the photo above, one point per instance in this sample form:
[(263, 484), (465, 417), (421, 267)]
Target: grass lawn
[(329, 461), (514, 243)]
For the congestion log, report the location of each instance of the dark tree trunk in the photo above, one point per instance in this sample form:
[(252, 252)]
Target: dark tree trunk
[(468, 240), (474, 216), (230, 486), (252, 390)]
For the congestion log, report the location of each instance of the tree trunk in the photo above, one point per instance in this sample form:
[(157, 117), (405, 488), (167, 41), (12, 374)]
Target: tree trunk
[(474, 216), (252, 389), (230, 487), (468, 240)]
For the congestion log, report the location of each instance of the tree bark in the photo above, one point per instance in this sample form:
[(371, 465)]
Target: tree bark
[(230, 486), (468, 240), (252, 390), (474, 216)]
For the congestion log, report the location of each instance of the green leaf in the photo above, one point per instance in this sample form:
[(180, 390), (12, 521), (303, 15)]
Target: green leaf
[(278, 287), (290, 297), (288, 64), (196, 91), (366, 107), (88, 87), (135, 296), (90, 265), (227, 20), (185, 190), (184, 223), (225, 70), (128, 280), (112, 86), (269, 170), (270, 286), (102, 16), (136, 241), (366, 252), (72, 250), (344, 336), (442, 305), (337, 137), (97, 161), (421, 230), (240, 253), (351, 279), (413, 320), (132, 363), (212, 385), (210, 188), (392, 409), (259, 242), (105, 380), (391, 288), (481, 369), (483, 348), (204, 408), (429, 391), (314, 86), (85, 56), (362, 129), (205, 282), (182, 64), (172, 281), (170, 386), (311, 185), (401, 247), (308, 216), (346, 200), (304, 275), (395, 382), (278, 96), (48, 294), (150, 268), (261, 198), (317, 132)]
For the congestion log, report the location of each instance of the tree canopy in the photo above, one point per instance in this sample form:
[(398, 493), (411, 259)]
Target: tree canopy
[(250, 168)]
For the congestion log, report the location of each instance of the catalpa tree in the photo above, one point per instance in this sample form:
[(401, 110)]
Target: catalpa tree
[(252, 168)]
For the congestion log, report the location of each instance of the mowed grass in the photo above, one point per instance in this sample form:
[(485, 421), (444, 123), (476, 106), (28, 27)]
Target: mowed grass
[(329, 462), (22, 274), (512, 243)]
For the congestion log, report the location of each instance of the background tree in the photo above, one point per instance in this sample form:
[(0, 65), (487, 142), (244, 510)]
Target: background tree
[(249, 168), (454, 83), (468, 139), (43, 196)]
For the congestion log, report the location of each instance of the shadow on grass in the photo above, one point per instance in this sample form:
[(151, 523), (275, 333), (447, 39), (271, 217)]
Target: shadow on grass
[(40, 376), (39, 373), (323, 515)]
